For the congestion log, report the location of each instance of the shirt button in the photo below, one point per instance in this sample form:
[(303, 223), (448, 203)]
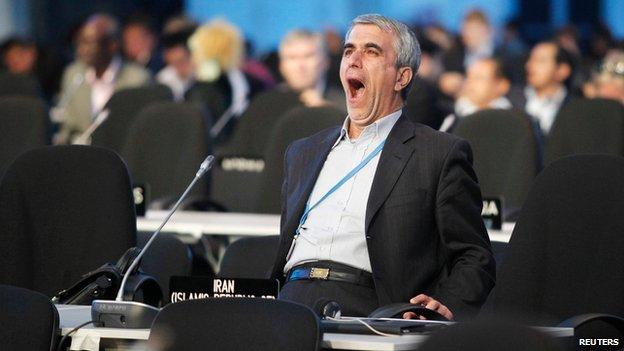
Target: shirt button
[(368, 237)]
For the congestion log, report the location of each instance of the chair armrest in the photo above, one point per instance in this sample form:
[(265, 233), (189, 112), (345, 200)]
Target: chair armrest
[(581, 320)]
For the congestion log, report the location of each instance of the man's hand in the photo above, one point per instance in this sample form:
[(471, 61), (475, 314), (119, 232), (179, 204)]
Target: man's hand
[(430, 303)]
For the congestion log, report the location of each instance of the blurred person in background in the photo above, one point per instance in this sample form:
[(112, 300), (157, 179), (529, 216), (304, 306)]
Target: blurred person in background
[(257, 68), (19, 56), (513, 52), (333, 40), (91, 80), (179, 72), (221, 86), (430, 63), (304, 62), (140, 44), (609, 80), (22, 56), (477, 42), (485, 87), (548, 74)]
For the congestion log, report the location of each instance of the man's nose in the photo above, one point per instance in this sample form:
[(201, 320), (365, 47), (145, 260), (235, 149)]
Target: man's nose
[(355, 59)]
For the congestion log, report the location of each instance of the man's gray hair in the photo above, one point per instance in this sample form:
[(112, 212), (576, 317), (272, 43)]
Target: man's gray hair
[(405, 45)]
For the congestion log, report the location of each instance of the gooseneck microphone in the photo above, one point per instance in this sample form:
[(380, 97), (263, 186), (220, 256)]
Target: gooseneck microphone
[(85, 137), (131, 314)]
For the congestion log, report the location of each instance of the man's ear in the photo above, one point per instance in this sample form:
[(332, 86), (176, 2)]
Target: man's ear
[(404, 77), (503, 87), (564, 71)]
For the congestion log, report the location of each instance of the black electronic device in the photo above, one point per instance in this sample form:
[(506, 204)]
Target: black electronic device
[(396, 310)]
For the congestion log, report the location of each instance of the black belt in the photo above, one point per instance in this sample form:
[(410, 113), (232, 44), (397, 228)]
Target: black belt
[(330, 271)]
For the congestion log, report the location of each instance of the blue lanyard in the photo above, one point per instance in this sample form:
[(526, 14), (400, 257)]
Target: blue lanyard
[(340, 183)]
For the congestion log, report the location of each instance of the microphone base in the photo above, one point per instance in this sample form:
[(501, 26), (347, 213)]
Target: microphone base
[(123, 314)]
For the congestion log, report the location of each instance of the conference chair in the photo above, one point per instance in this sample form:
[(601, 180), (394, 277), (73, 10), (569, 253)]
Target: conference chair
[(505, 152), (124, 106), (564, 258), (295, 124), (165, 146), (209, 97), (168, 256), (490, 335), (256, 124), (237, 175), (64, 211), (586, 126), (29, 320), (251, 324), (19, 84), (251, 258), (23, 126)]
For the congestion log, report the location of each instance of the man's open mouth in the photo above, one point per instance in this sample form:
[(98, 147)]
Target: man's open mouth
[(356, 88)]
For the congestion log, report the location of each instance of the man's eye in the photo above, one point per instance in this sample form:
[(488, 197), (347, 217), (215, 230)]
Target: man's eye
[(347, 52), (372, 52)]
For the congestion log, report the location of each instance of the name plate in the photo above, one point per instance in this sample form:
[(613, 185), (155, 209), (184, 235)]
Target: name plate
[(492, 213), (242, 164), (191, 288)]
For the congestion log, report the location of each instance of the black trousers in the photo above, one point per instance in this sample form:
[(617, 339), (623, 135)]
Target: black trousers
[(354, 300)]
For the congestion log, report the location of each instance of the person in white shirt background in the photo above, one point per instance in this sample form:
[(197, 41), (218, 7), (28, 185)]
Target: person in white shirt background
[(486, 86), (548, 69)]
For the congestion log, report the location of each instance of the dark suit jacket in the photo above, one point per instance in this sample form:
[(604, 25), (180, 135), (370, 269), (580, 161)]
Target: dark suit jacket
[(423, 218)]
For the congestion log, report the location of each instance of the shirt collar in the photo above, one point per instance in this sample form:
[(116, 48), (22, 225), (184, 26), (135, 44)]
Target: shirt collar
[(556, 98), (381, 127), (109, 75)]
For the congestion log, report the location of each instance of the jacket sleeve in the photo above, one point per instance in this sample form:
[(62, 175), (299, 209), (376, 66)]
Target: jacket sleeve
[(470, 263)]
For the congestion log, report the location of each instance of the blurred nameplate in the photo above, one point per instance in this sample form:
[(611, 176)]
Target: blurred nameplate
[(190, 288), (492, 212), (140, 194)]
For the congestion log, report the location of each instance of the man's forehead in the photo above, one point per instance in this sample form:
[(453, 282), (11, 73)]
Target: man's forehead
[(365, 33), (485, 65), (545, 49)]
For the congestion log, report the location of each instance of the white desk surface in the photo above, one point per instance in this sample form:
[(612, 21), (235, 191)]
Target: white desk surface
[(88, 337), (197, 224)]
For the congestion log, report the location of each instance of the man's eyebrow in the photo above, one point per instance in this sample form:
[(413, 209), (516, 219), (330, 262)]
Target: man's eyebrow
[(374, 46), (367, 45)]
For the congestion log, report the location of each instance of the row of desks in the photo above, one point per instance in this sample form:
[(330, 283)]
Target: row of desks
[(91, 338), (197, 224)]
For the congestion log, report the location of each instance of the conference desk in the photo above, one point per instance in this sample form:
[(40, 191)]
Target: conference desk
[(197, 224), (92, 338)]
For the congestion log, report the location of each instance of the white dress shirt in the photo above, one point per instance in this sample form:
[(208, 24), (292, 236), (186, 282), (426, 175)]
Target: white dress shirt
[(544, 109), (102, 88), (169, 76), (334, 230)]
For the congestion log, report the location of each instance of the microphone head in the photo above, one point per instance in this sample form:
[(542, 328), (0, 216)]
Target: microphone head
[(205, 166), (325, 307)]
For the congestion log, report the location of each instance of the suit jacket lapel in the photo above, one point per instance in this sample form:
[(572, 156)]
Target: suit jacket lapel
[(393, 158), (309, 174)]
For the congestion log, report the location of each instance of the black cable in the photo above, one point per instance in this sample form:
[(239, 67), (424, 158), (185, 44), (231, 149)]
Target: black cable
[(60, 345)]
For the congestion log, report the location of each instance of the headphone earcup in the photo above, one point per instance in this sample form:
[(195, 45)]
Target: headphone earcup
[(324, 308)]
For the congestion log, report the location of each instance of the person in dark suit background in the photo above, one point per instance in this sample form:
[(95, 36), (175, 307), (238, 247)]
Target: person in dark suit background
[(548, 74), (406, 227)]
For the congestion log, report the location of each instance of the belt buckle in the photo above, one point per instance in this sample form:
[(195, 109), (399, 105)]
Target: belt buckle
[(319, 273)]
